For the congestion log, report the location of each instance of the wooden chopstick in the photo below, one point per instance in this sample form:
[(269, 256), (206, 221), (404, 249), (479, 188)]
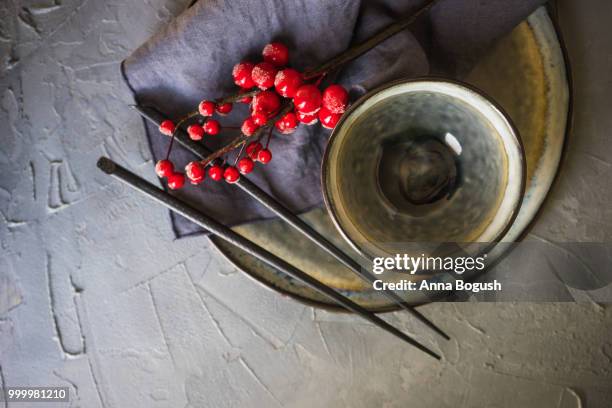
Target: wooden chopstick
[(223, 232)]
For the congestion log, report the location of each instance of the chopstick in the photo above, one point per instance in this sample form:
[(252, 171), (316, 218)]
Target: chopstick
[(156, 117), (223, 232)]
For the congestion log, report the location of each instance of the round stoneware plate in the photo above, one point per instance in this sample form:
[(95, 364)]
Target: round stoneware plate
[(526, 75)]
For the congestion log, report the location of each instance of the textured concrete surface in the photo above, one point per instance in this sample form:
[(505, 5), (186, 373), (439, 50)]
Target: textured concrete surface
[(95, 295)]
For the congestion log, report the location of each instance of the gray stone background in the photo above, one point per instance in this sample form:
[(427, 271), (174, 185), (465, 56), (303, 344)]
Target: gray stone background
[(95, 294)]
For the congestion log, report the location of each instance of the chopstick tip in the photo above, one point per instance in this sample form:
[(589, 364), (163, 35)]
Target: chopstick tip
[(106, 165)]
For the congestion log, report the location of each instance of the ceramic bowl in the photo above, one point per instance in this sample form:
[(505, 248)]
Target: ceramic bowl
[(419, 163)]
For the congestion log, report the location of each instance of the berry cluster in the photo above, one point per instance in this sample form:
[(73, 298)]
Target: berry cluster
[(280, 98)]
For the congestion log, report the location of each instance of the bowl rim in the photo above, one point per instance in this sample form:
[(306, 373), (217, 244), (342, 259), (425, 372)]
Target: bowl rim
[(329, 206)]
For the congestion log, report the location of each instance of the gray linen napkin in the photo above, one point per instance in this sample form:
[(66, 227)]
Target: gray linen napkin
[(192, 57)]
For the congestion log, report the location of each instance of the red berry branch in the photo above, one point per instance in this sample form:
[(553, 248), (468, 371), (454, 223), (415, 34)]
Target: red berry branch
[(280, 98)]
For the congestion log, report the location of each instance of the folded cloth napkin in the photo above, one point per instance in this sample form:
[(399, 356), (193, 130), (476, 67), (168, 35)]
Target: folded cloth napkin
[(192, 58)]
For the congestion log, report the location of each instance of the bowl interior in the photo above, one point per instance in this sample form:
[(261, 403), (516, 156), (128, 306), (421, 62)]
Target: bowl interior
[(420, 163)]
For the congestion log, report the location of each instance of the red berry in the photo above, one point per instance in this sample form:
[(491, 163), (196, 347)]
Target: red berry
[(242, 74), (249, 127), (263, 75), (196, 132), (276, 53), (266, 102), (206, 108), (167, 127), (176, 181), (335, 99), (287, 123), (307, 119), (164, 168), (245, 165), (259, 119), (231, 174), (252, 149), (328, 119), (224, 109), (287, 82), (215, 172), (212, 127), (195, 172), (307, 99), (264, 156)]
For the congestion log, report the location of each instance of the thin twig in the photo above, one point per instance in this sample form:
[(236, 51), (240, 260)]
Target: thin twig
[(237, 96), (243, 138), (269, 137), (239, 153), (331, 65), (176, 128), (360, 49)]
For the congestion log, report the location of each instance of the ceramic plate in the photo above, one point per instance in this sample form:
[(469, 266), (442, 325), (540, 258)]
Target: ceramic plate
[(526, 75)]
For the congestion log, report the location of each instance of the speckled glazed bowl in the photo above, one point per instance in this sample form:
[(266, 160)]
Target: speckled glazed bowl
[(419, 163)]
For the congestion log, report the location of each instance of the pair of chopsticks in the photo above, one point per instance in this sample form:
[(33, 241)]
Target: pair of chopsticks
[(155, 117), (280, 210)]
